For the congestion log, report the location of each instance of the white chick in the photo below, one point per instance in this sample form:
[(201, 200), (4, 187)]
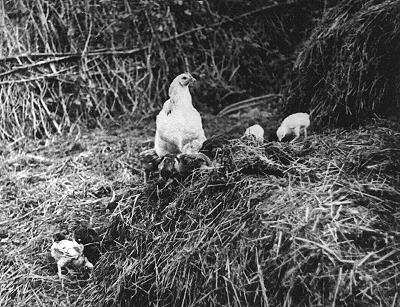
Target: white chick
[(66, 251), (255, 131), (178, 125), (294, 124)]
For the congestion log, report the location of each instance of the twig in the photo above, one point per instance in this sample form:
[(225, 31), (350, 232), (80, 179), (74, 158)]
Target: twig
[(261, 278), (35, 78), (247, 103), (325, 248), (33, 65), (2, 23), (394, 299), (339, 280), (105, 52)]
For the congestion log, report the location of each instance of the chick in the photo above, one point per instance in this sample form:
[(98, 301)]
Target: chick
[(187, 163), (213, 145), (294, 124), (178, 125), (256, 132), (68, 252), (89, 238), (149, 161), (168, 166)]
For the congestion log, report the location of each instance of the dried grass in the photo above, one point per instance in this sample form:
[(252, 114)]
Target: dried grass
[(51, 185), (347, 71), (309, 225), (78, 61)]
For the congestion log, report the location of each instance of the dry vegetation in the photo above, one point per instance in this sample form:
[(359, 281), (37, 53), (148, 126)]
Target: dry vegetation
[(349, 68), (52, 185), (85, 61), (314, 225), (310, 224)]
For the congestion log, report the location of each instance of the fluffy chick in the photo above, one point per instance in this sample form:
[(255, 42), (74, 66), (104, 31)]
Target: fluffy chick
[(187, 163), (149, 161), (90, 240), (168, 166), (256, 132), (68, 252), (294, 124), (213, 145), (178, 125)]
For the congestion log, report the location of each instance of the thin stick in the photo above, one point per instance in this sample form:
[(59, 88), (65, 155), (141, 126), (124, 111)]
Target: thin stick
[(261, 278), (2, 25), (247, 103), (105, 52), (32, 65)]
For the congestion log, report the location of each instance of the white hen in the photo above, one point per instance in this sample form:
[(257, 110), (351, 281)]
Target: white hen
[(67, 251), (179, 127)]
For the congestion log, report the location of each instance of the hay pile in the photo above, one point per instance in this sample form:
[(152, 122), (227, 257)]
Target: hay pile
[(312, 224), (348, 70), (72, 61)]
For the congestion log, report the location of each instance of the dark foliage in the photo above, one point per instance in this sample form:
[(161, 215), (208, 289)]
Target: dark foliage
[(348, 70)]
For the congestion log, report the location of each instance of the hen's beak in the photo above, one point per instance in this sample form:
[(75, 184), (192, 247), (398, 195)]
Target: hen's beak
[(192, 80)]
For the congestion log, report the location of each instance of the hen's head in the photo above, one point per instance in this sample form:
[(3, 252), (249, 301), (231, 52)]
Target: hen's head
[(181, 82)]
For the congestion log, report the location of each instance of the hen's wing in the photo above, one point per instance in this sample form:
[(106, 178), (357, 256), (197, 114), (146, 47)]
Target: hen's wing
[(167, 107)]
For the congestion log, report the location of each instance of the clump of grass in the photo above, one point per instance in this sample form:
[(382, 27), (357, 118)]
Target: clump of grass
[(347, 71), (53, 185), (309, 224)]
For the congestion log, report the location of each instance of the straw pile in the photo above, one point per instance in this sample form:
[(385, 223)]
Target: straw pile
[(311, 225), (348, 70), (72, 61)]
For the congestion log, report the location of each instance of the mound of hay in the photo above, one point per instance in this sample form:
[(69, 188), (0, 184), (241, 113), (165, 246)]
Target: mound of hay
[(349, 68), (274, 224)]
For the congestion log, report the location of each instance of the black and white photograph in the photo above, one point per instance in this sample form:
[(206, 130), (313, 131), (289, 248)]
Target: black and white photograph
[(199, 153)]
